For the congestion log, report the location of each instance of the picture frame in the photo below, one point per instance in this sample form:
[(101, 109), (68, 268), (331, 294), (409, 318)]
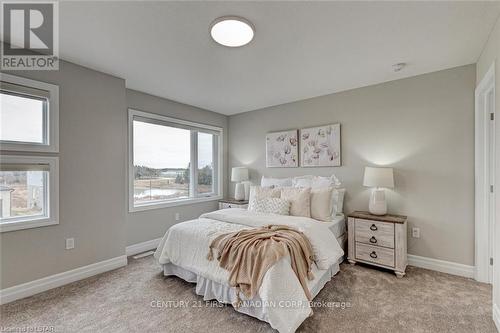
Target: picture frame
[(320, 146), (282, 149)]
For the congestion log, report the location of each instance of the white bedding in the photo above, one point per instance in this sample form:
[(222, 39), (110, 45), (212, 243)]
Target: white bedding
[(337, 226), (211, 290), (186, 245)]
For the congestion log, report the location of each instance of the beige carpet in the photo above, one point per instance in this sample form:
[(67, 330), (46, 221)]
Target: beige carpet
[(120, 301)]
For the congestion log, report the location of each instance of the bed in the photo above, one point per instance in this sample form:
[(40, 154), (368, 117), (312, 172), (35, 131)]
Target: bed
[(183, 253)]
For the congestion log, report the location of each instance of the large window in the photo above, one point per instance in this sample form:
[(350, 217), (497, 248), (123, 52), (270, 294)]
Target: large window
[(28, 183), (172, 161)]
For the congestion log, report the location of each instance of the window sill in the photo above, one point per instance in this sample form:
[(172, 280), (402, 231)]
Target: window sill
[(26, 224), (168, 204)]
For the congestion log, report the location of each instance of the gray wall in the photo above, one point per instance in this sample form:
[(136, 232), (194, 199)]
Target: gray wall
[(422, 126), (146, 225), (92, 159)]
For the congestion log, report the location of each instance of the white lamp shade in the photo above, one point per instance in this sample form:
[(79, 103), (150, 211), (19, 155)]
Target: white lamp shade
[(378, 177), (239, 174)]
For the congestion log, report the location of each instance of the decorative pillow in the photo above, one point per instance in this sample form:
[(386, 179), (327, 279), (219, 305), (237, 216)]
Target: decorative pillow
[(319, 182), (300, 200), (316, 181), (337, 201), (322, 204), (272, 206), (303, 181), (259, 192), (276, 182)]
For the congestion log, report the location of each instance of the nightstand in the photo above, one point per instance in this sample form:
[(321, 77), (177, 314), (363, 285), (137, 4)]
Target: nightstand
[(378, 240), (232, 203)]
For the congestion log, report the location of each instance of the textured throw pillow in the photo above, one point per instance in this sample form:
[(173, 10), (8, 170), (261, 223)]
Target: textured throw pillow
[(322, 204), (272, 206), (259, 192), (300, 200), (276, 182)]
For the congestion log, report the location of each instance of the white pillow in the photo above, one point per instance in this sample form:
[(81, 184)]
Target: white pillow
[(304, 181), (319, 182), (316, 181), (258, 192), (321, 204), (272, 206), (300, 200), (277, 182), (337, 201)]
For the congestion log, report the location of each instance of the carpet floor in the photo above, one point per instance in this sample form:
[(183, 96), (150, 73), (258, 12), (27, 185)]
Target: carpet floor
[(135, 299)]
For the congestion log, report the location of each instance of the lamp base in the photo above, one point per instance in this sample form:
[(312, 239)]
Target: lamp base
[(239, 191), (378, 204), (247, 185)]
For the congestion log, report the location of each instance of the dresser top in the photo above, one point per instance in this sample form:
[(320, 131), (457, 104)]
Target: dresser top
[(234, 201), (382, 218)]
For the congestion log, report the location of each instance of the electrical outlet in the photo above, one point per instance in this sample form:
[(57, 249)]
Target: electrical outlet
[(177, 216), (70, 243), (415, 232)]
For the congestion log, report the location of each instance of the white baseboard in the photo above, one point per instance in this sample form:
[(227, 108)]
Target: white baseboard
[(496, 316), (441, 266), (142, 247), (49, 282)]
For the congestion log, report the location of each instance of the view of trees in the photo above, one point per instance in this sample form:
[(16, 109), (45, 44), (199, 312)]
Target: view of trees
[(141, 172), (205, 174)]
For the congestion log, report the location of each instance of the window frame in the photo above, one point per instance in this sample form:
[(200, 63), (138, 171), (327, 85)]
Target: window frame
[(194, 196), (51, 116), (51, 193)]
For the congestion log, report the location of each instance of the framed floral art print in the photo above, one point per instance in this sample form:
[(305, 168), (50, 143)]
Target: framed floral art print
[(320, 146), (282, 149)]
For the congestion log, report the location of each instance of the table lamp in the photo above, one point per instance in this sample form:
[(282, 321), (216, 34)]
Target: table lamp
[(239, 175), (379, 178)]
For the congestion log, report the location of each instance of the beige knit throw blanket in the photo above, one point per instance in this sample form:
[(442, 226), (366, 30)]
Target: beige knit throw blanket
[(248, 254)]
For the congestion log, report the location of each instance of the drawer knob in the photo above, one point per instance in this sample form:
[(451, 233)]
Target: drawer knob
[(373, 255), (373, 240), (373, 227)]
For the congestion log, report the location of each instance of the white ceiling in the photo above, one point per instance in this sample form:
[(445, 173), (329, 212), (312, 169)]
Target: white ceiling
[(300, 50)]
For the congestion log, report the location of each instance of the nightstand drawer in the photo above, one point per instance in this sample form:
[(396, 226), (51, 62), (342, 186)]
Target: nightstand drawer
[(375, 254), (374, 233)]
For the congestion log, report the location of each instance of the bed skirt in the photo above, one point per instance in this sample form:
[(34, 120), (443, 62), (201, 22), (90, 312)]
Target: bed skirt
[(211, 290)]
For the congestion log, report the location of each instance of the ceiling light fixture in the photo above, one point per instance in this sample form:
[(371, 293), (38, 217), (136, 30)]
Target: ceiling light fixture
[(232, 31)]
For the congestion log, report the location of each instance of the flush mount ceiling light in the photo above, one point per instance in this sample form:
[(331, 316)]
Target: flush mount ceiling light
[(232, 31)]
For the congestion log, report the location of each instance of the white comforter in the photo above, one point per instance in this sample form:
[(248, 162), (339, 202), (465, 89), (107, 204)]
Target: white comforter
[(186, 245)]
